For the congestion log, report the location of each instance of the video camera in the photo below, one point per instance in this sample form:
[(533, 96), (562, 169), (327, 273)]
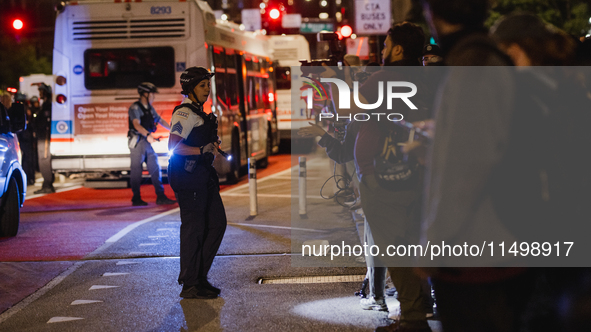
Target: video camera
[(335, 59), (215, 138)]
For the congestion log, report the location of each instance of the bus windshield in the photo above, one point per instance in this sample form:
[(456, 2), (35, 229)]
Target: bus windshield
[(283, 77), (124, 68)]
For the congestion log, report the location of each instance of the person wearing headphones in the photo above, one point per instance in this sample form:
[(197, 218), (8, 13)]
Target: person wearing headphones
[(194, 145), (143, 120)]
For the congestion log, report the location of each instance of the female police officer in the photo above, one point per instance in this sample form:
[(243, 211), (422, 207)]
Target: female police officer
[(193, 142)]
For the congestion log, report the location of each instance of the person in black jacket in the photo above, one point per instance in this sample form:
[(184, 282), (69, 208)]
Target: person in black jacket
[(194, 145), (43, 133), (142, 123), (26, 140)]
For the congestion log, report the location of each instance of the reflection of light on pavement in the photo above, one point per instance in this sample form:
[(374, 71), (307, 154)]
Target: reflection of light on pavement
[(343, 311)]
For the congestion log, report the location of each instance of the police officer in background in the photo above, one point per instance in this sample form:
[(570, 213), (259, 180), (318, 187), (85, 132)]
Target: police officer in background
[(143, 120), (194, 144), (26, 139), (43, 133)]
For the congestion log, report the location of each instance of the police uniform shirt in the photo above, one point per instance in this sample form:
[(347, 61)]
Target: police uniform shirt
[(135, 112), (184, 120)]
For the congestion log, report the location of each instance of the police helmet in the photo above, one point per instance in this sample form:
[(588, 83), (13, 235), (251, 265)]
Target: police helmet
[(45, 88), (146, 87), (20, 97), (192, 76)]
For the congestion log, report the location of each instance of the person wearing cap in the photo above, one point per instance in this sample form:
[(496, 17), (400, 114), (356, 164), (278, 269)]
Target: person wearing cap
[(432, 55), (43, 133), (143, 120), (193, 145)]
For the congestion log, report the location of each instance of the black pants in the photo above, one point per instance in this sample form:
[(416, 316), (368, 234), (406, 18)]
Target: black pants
[(143, 152), (27, 148), (45, 160), (203, 224)]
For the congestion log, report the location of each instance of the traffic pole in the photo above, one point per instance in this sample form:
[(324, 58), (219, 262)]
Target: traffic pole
[(252, 186), (302, 188)]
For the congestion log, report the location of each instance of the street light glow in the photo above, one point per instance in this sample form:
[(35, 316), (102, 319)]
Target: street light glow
[(17, 24)]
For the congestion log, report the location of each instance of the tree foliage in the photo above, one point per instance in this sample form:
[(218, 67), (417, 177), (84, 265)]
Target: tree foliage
[(570, 15), (20, 59)]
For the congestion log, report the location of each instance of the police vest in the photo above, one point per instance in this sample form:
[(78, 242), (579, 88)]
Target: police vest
[(204, 134), (146, 120)]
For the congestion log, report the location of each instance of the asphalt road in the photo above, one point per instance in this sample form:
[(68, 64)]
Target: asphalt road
[(111, 267)]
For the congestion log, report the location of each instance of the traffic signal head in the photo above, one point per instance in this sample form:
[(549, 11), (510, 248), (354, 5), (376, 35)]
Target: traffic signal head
[(346, 31), (17, 24), (274, 13)]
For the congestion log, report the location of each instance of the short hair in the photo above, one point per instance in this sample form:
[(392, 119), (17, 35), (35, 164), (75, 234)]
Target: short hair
[(410, 36), (471, 13)]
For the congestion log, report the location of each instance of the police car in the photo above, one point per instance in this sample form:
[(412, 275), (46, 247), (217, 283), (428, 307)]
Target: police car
[(12, 177)]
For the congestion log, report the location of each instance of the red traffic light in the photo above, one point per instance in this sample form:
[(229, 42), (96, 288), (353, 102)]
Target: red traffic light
[(274, 13), (346, 31), (17, 24)]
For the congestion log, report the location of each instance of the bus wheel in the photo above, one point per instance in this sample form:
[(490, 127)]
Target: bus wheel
[(234, 174), (10, 211)]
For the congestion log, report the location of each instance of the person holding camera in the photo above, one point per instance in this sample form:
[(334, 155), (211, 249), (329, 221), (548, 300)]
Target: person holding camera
[(194, 146), (143, 120), (391, 213)]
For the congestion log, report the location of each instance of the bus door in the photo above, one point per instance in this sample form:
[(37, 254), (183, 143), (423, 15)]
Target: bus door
[(256, 116), (242, 106), (227, 108)]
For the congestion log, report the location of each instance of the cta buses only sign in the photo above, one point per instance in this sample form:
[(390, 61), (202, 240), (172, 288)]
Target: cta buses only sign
[(372, 17)]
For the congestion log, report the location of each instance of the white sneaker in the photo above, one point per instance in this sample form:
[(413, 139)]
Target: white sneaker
[(373, 304), (395, 315)]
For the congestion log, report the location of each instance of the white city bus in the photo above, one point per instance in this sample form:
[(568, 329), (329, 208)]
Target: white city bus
[(104, 48), (287, 51)]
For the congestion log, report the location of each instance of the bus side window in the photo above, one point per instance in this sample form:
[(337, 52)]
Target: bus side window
[(219, 87), (265, 89), (259, 92), (231, 79), (248, 62), (252, 99), (283, 76), (218, 57)]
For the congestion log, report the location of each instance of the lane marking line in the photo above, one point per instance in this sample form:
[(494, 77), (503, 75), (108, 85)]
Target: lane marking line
[(279, 227), (94, 287), (126, 263), (79, 302), (136, 224), (61, 190), (137, 253), (29, 299), (62, 319), (269, 177), (166, 229), (114, 274), (157, 236), (269, 195), (148, 244)]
